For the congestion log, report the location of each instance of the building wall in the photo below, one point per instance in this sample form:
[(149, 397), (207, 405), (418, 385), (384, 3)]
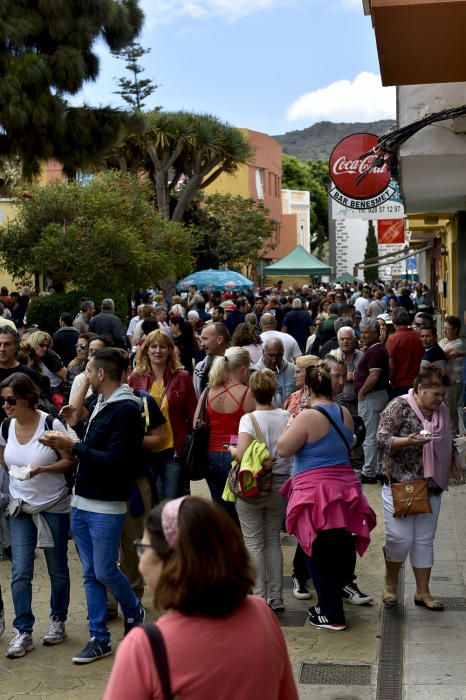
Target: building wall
[(298, 202), (7, 213), (260, 179)]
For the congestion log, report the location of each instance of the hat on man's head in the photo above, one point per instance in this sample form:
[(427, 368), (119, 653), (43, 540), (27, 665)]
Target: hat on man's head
[(230, 307)]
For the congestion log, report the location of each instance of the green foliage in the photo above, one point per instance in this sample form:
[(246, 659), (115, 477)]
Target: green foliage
[(314, 177), (134, 91), (182, 153), (45, 310), (46, 52), (372, 251), (236, 232), (103, 236)]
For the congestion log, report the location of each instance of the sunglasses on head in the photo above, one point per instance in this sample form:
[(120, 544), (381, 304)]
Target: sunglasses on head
[(10, 400), (81, 346)]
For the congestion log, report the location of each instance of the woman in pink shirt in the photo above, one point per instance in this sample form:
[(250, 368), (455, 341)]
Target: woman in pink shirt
[(220, 641)]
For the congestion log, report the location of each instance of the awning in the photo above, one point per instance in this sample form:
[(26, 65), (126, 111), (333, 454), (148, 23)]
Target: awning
[(299, 262)]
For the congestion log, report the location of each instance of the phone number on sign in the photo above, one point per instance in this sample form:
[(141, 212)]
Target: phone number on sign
[(386, 209)]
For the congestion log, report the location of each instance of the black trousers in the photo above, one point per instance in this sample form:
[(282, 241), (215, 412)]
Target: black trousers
[(332, 567)]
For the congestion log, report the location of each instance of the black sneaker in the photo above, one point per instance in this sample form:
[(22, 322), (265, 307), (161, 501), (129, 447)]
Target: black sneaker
[(322, 622), (352, 594), (131, 622), (367, 479), (300, 589), (94, 649)]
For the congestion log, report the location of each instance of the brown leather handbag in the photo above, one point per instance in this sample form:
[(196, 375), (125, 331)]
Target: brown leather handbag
[(410, 498)]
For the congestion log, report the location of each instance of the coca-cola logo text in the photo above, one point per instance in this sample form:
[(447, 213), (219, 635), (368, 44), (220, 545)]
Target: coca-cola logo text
[(346, 166)]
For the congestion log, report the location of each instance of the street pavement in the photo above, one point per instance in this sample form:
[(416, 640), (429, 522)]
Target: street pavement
[(434, 644)]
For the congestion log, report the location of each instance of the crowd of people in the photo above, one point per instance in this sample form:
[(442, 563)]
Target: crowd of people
[(309, 393)]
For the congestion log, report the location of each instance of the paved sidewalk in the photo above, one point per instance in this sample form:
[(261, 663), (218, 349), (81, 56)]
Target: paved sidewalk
[(434, 646), (435, 642)]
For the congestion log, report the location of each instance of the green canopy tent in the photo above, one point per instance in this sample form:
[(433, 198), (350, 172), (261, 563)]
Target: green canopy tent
[(300, 263), (346, 277)]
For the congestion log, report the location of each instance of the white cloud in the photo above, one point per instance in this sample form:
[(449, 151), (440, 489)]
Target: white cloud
[(164, 11), (352, 4), (161, 11), (362, 99)]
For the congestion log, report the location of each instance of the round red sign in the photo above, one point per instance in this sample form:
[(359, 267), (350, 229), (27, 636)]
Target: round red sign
[(346, 166)]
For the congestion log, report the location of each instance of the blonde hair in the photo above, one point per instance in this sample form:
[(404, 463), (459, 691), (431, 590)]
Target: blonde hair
[(263, 386), (162, 338), (306, 361), (38, 337), (234, 358)]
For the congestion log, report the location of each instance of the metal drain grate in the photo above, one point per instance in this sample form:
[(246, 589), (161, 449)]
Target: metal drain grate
[(441, 578), (335, 674), (390, 675), (292, 618), (454, 604)]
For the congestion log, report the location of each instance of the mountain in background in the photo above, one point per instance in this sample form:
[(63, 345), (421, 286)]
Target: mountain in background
[(318, 141)]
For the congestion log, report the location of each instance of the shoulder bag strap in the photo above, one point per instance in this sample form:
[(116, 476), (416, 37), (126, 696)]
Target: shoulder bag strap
[(256, 426), (159, 653), (330, 420), (202, 411)]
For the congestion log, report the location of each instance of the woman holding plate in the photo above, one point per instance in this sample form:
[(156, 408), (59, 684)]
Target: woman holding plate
[(415, 436)]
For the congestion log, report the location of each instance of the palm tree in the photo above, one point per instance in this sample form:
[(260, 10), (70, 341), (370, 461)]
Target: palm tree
[(182, 153)]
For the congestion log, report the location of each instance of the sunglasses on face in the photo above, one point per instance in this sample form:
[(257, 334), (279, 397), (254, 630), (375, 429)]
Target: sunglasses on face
[(10, 400), (43, 345), (81, 346)]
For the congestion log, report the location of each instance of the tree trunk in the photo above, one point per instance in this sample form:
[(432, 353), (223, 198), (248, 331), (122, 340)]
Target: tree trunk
[(186, 197)]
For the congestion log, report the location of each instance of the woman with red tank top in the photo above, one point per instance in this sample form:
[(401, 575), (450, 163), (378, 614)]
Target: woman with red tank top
[(228, 399)]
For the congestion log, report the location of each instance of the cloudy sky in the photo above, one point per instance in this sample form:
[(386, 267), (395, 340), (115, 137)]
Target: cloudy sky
[(269, 65)]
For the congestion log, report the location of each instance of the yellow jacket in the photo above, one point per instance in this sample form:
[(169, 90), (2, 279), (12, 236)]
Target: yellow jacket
[(250, 469)]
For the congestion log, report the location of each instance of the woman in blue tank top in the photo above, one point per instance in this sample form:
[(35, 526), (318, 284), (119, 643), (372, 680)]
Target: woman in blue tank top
[(326, 505)]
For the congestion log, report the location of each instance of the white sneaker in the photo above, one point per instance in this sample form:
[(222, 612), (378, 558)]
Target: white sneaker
[(2, 622), (300, 589), (19, 645), (353, 595), (56, 632)]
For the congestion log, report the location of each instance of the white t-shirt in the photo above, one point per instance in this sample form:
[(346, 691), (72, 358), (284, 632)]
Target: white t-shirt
[(272, 423), (361, 305), (290, 346), (43, 487), (76, 386)]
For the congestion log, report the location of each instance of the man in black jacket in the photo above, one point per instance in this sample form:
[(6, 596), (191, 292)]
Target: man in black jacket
[(104, 475)]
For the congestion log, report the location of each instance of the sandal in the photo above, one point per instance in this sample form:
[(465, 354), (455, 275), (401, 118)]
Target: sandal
[(434, 605), (390, 600)]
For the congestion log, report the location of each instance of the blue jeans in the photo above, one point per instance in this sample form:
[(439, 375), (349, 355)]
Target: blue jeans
[(97, 537), (168, 474), (23, 544), (219, 466)]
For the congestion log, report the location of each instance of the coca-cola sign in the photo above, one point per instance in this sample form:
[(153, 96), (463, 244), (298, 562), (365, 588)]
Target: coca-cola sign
[(360, 181)]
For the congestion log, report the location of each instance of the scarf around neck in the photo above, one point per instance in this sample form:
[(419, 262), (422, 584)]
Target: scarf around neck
[(436, 455)]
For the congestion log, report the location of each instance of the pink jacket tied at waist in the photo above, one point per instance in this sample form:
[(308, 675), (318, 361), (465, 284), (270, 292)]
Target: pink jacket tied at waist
[(326, 499)]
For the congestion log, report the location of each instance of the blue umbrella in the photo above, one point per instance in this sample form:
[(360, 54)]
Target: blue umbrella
[(216, 281)]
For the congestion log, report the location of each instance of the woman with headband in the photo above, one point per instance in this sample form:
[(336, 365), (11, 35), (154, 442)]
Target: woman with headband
[(220, 641)]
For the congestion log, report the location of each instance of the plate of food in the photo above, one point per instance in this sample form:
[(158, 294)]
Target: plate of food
[(427, 435)]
